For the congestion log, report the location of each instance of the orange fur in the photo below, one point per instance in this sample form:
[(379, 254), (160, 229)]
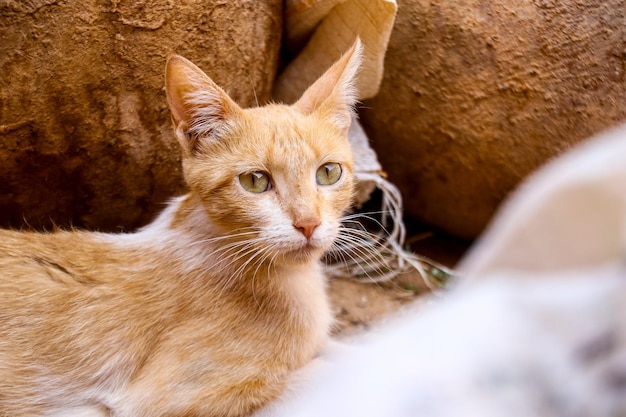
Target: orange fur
[(209, 309)]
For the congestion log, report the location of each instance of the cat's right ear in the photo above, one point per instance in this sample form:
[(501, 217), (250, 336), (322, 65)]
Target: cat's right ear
[(201, 110), (334, 94)]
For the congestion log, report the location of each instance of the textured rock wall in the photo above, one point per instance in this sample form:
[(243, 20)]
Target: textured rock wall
[(85, 132), (478, 94)]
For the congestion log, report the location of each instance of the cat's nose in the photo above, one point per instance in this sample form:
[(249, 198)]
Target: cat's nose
[(307, 227)]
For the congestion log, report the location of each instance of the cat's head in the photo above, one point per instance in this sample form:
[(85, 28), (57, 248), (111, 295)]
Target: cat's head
[(278, 177)]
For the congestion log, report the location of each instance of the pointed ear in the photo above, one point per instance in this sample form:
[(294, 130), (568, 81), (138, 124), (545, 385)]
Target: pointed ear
[(334, 94), (200, 108)]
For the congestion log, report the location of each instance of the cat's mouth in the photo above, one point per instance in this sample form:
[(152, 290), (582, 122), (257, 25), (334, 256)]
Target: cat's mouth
[(304, 253)]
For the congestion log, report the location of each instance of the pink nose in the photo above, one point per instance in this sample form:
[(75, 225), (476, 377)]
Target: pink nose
[(307, 227)]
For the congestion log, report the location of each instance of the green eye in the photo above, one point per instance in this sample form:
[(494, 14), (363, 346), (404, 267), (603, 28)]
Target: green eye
[(255, 182), (328, 174)]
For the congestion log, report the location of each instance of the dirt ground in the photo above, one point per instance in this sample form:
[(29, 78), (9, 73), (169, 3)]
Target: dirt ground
[(359, 304)]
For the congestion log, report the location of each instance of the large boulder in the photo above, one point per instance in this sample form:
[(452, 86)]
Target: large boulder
[(85, 132), (478, 94)]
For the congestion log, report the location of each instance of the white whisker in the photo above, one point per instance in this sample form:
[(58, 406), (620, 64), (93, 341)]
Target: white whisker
[(367, 258)]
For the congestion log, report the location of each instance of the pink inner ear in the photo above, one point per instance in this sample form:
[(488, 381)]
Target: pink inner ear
[(210, 112)]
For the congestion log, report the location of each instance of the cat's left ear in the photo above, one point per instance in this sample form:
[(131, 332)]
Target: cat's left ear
[(201, 110), (334, 94)]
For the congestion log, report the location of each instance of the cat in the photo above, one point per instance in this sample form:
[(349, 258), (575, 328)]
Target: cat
[(208, 310)]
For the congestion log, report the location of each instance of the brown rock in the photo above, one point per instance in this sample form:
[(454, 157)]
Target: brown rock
[(85, 132), (478, 94)]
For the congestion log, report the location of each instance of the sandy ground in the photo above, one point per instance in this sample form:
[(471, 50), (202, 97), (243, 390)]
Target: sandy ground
[(357, 305)]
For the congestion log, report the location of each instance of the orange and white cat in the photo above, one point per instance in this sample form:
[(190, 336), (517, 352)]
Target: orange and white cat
[(208, 310)]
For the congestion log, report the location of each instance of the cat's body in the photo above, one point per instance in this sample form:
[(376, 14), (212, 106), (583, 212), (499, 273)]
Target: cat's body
[(154, 328), (209, 309)]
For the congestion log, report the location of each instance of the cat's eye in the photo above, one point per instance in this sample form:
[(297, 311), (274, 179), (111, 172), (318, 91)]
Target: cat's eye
[(255, 182), (328, 174)]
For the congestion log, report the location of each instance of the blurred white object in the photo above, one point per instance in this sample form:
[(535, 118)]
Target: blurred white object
[(537, 326), (570, 214)]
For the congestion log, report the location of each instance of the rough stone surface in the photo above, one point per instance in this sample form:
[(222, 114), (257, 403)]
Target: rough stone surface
[(85, 132), (478, 94)]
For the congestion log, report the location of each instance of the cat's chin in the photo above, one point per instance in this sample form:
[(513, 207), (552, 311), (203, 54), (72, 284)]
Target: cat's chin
[(305, 254)]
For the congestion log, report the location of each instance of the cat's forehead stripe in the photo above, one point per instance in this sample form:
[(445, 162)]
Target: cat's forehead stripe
[(281, 141)]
